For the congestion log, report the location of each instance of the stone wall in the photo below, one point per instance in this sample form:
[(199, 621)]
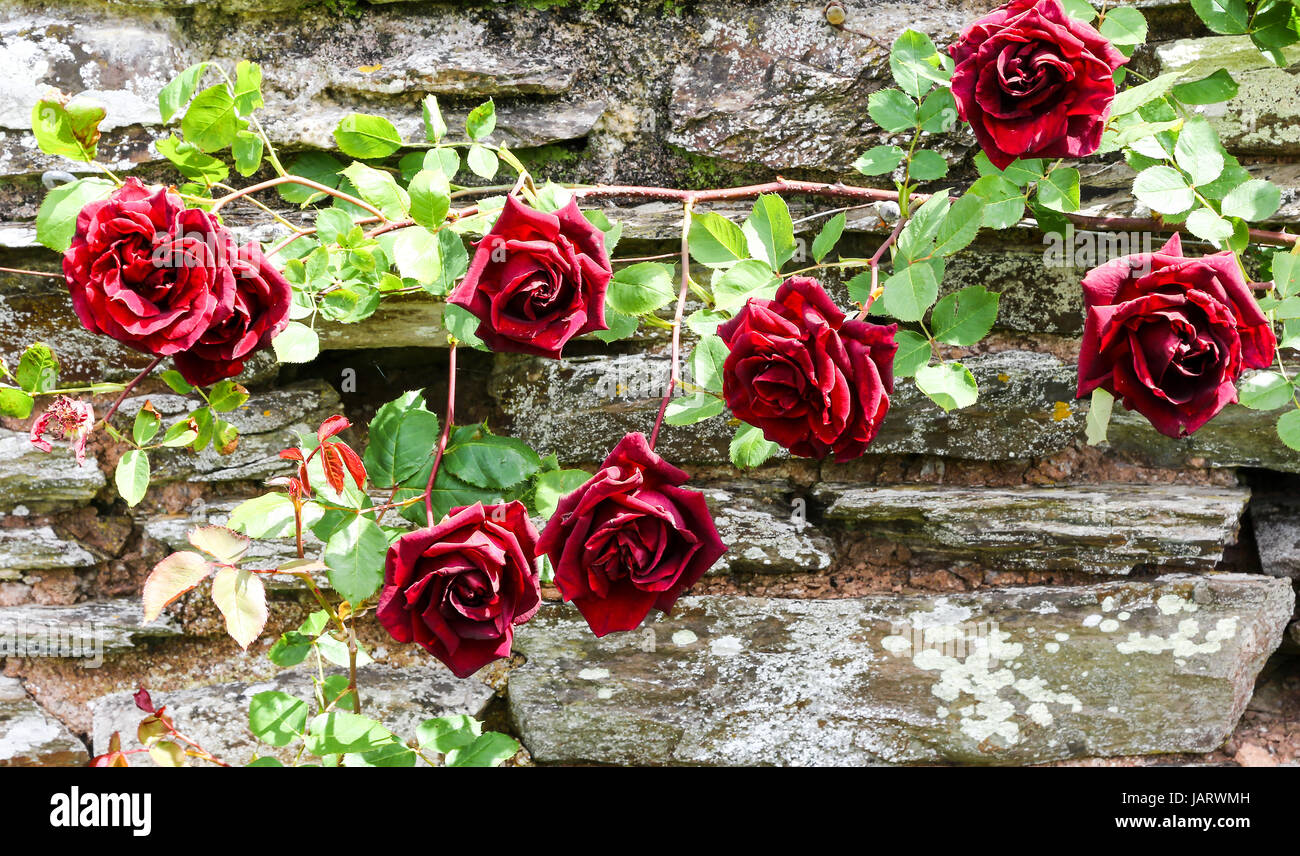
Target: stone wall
[(981, 588)]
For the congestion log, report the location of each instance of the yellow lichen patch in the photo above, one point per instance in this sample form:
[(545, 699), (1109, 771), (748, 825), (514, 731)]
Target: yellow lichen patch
[(1061, 411), (1004, 377), (368, 69)]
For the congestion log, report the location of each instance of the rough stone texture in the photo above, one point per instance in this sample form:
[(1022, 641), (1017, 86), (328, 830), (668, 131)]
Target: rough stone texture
[(998, 676), (765, 535), (1277, 534), (30, 476), (83, 631), (38, 548), (216, 716), (30, 737), (267, 423), (1106, 529), (1237, 437)]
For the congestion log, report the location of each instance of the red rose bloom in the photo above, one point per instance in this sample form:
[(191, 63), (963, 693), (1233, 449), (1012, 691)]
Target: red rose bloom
[(537, 280), (148, 272), (260, 312), (630, 539), (1170, 335), (459, 588), (810, 380), (1033, 82)]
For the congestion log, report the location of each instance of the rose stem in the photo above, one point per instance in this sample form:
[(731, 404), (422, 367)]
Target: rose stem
[(352, 664), (442, 438), (674, 370), (874, 262), (295, 179), (130, 386), (50, 274)]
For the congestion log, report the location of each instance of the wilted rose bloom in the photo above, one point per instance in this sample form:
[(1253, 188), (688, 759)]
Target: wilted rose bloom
[(65, 419), (1034, 82), (630, 539), (537, 280), (811, 380), (459, 588), (1170, 335)]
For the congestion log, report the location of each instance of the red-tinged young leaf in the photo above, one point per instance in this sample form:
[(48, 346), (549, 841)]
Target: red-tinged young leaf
[(332, 462), (171, 578), (332, 426), (110, 759), (225, 545), (142, 700), (241, 597), (304, 480), (291, 454), (352, 461)]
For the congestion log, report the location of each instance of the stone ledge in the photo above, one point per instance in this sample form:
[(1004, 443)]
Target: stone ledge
[(32, 477), (998, 676), (81, 631), (1102, 529), (30, 737)]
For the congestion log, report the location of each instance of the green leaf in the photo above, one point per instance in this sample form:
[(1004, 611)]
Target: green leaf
[(910, 291), (277, 718), (415, 251), (448, 733), (192, 163), (1059, 189), (913, 352), (316, 166), (1265, 391), (1004, 203), (461, 324), (915, 64), (965, 317), (491, 461), (248, 87), (892, 110), (1133, 98), (482, 161), (1211, 89), (430, 200), (917, 238), (1163, 189), (1255, 200), (68, 129), (879, 160), (271, 515), (481, 121), (355, 557), (145, 426), (297, 343), (960, 225), (715, 241), (434, 126), (1275, 26), (749, 449), (488, 750), (707, 362), (338, 733), (949, 385), (611, 230), (938, 113), (15, 403), (56, 222), (1124, 25), (828, 237), (554, 485), (1098, 416), (38, 369), (927, 166), (1204, 223), (1198, 151), (453, 262), (769, 231), (226, 396), (693, 408), (380, 189), (211, 121), (177, 382), (241, 597), (1288, 429), (1080, 10), (361, 135), (641, 288), (620, 326), (179, 90), (391, 754), (750, 278), (402, 437), (1286, 274), (1230, 17)]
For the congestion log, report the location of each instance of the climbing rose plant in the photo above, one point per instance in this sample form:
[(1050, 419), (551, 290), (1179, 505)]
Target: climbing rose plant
[(1167, 333)]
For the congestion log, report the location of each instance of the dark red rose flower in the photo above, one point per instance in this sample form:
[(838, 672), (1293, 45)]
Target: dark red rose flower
[(259, 313), (1170, 335), (147, 271), (537, 280), (1033, 82), (812, 381), (459, 588), (630, 539)]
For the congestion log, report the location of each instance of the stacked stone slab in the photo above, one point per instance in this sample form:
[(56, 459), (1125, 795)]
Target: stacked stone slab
[(980, 588)]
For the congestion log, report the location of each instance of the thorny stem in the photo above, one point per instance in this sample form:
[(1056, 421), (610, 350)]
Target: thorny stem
[(442, 438), (674, 370), (874, 264), (130, 386), (294, 179), (45, 273)]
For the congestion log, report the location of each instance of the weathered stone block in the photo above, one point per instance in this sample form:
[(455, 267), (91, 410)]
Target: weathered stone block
[(30, 737), (996, 676), (1236, 437), (82, 631), (1277, 535), (38, 548), (1101, 529), (216, 716), (28, 475), (765, 536)]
